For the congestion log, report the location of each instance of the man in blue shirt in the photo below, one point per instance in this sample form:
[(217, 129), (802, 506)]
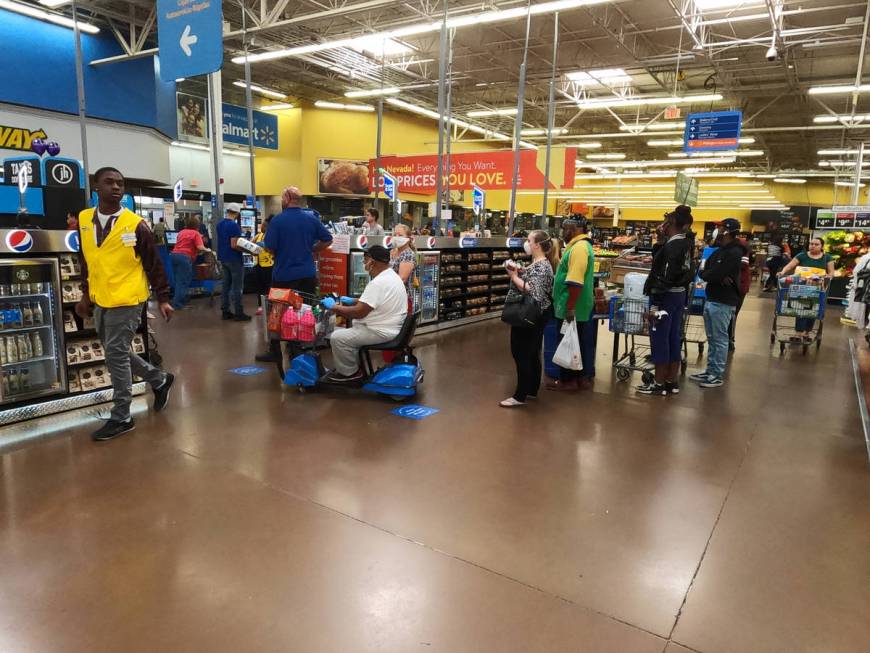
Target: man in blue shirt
[(295, 235), (230, 256)]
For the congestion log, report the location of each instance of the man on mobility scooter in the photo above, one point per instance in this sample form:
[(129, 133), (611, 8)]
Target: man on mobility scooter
[(380, 322)]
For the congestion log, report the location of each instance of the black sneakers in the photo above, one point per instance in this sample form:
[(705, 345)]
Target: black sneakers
[(242, 317), (659, 389), (112, 429), (161, 393), (673, 388), (226, 315)]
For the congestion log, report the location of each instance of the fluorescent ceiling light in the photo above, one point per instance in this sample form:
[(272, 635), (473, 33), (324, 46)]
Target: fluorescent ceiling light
[(604, 77), (836, 152), (842, 164), (262, 91), (678, 142), (206, 148), (483, 113), (390, 90), (653, 164), (653, 126), (789, 180), (178, 80), (322, 104), (479, 18), (48, 16), (828, 119), (615, 156), (725, 153), (543, 132), (838, 90), (710, 5), (613, 103), (277, 107), (376, 45), (847, 184), (590, 145), (54, 3)]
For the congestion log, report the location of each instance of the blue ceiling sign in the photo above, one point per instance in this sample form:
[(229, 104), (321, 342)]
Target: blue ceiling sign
[(708, 132), (190, 36), (235, 126)]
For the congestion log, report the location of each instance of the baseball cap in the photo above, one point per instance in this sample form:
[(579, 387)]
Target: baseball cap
[(730, 225), (378, 253), (234, 207)]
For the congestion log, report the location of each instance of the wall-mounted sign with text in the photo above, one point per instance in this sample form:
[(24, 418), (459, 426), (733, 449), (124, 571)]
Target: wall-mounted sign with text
[(19, 138), (191, 116), (839, 219)]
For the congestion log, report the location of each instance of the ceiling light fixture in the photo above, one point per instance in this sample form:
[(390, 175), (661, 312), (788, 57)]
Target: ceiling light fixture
[(653, 126), (829, 119), (591, 145), (838, 89), (543, 132), (789, 180), (277, 107), (262, 91), (484, 17), (678, 142), (847, 184), (836, 152), (389, 90), (484, 113), (725, 153), (377, 46), (206, 148), (48, 16), (605, 77), (653, 164), (608, 103), (842, 164), (322, 104), (615, 156)]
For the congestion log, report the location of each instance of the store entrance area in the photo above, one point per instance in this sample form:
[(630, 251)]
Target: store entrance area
[(248, 517)]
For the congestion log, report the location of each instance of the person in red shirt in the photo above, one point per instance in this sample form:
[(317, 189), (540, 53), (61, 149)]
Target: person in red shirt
[(188, 246)]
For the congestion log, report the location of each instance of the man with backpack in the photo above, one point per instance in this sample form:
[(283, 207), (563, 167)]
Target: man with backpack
[(722, 274)]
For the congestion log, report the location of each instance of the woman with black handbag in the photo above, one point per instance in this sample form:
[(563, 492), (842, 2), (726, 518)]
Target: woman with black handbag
[(527, 309)]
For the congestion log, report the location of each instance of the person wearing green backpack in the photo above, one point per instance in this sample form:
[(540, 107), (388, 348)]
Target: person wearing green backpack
[(573, 299)]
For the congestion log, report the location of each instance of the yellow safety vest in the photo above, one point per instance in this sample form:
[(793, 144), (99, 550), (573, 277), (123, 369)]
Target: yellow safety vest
[(265, 259), (115, 273)]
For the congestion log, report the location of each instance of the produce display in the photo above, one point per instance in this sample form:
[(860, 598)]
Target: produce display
[(846, 247), (601, 252), (635, 260), (623, 240)]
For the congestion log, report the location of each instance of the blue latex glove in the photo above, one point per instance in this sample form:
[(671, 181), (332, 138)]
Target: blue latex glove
[(328, 303), (348, 301)]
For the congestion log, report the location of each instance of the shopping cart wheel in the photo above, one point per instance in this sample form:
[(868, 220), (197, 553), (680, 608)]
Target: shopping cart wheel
[(622, 374), (781, 348), (301, 389), (647, 378)]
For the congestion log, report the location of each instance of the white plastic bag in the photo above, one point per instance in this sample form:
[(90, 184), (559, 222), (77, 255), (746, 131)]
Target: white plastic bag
[(567, 354)]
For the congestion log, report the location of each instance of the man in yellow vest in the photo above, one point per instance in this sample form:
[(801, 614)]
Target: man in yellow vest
[(119, 260)]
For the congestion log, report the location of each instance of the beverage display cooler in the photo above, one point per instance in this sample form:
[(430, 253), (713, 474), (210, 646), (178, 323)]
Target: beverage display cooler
[(426, 294)]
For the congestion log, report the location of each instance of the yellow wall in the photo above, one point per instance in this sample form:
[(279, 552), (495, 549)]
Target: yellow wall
[(307, 134)]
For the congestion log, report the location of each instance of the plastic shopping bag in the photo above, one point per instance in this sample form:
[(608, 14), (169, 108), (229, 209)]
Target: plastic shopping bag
[(567, 353)]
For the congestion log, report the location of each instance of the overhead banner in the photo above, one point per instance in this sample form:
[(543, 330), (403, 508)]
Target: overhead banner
[(709, 132), (489, 170), (191, 112)]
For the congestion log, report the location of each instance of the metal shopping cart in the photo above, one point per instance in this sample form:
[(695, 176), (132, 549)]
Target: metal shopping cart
[(801, 301), (629, 318), (694, 330)]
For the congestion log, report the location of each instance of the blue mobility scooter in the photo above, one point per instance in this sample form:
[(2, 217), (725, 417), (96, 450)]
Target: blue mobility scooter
[(397, 380)]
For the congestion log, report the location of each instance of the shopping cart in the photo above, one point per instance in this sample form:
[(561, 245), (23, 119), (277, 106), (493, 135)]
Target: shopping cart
[(694, 330), (799, 301), (629, 318), (295, 341)]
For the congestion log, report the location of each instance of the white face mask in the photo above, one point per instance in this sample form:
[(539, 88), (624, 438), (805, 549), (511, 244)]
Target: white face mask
[(527, 247), (401, 241)]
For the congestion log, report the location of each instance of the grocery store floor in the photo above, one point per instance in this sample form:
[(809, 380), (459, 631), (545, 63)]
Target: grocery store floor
[(250, 518)]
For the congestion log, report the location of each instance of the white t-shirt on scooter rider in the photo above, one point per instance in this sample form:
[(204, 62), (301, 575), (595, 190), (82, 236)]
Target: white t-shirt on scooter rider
[(388, 298)]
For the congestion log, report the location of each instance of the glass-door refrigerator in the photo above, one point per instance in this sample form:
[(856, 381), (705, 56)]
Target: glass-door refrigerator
[(426, 296), (359, 278), (30, 330)]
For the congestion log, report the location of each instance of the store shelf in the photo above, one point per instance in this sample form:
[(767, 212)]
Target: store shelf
[(6, 298), (4, 332), (29, 361), (86, 363)]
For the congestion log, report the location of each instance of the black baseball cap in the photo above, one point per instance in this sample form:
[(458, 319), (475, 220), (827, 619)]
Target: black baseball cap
[(378, 253), (730, 225)]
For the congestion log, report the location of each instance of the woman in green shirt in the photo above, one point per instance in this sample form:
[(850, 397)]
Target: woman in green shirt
[(815, 257)]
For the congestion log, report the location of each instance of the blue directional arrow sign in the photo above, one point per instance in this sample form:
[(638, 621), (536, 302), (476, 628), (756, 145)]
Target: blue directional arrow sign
[(190, 35), (477, 198), (718, 130), (389, 186)]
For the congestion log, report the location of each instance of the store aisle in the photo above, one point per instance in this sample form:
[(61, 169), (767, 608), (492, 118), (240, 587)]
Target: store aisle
[(249, 518)]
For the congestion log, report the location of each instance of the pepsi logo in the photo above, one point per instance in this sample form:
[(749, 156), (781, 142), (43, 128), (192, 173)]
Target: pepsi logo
[(388, 242), (73, 242), (19, 241), (430, 242), (362, 242)]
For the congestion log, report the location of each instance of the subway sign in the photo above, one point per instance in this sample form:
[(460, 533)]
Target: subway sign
[(18, 138)]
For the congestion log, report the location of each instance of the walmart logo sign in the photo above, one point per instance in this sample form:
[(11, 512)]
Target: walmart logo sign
[(235, 121)]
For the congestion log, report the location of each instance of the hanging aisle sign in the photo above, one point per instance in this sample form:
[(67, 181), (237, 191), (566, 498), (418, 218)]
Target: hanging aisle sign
[(686, 190), (390, 186), (178, 190), (478, 196), (190, 37), (708, 132)]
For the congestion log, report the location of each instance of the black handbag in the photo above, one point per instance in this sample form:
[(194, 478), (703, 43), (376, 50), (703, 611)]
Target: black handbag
[(521, 310)]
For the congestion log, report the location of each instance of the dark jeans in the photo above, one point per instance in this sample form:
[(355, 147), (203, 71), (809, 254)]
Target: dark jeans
[(526, 345), (182, 270), (666, 333), (587, 332), (234, 279), (264, 282), (774, 265)]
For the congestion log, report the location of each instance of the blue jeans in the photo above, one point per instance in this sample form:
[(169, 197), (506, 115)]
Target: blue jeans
[(717, 319), (182, 270), (234, 278)]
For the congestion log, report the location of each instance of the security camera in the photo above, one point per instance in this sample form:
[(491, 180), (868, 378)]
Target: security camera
[(772, 54)]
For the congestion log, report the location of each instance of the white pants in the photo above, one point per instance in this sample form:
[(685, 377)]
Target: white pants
[(346, 343)]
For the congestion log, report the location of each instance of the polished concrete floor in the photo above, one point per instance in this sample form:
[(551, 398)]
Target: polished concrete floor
[(250, 518)]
